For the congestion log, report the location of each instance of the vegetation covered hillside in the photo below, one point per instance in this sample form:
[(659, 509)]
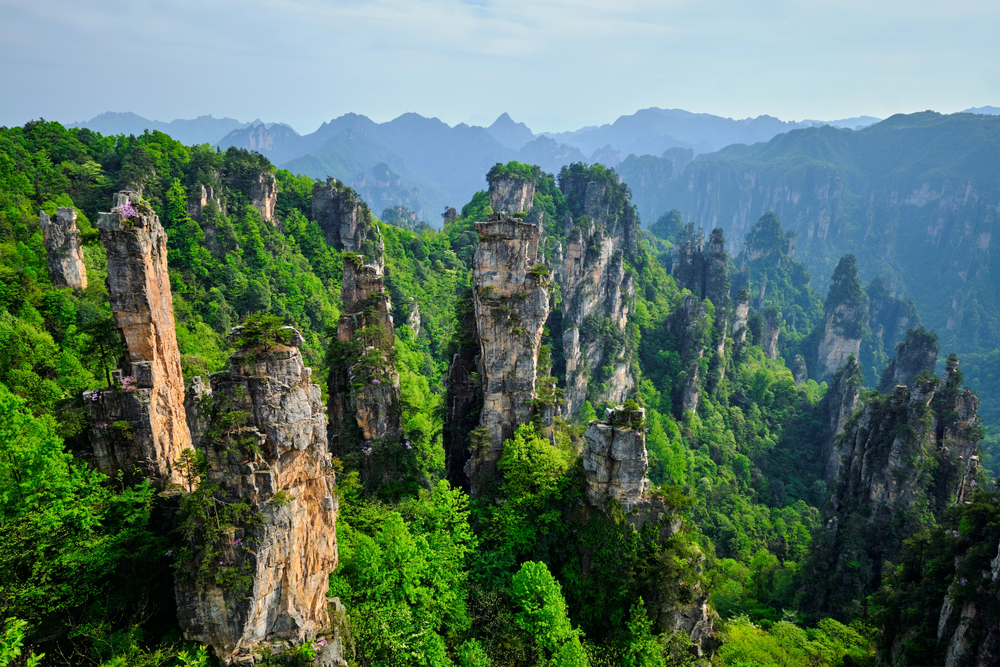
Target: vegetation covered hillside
[(713, 561)]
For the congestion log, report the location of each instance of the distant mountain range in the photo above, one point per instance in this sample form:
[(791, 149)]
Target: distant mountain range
[(428, 165)]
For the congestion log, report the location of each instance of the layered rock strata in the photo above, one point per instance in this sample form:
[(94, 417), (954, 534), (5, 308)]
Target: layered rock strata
[(615, 460), (511, 305), (62, 245), (364, 385), (597, 292), (140, 424), (346, 222), (266, 448)]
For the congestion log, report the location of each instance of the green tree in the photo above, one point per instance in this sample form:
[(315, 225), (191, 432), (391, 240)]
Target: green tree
[(543, 616)]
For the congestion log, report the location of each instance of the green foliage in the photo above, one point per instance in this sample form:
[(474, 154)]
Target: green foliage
[(543, 616), (12, 646)]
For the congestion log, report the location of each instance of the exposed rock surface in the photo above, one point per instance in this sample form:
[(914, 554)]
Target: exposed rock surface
[(615, 460), (346, 222), (150, 393), (772, 328), (841, 399), (700, 267), (596, 291), (266, 398), (916, 354), (690, 325), (740, 316), (62, 244), (845, 312), (364, 386), (464, 395), (264, 195), (199, 199), (511, 306), (511, 194)]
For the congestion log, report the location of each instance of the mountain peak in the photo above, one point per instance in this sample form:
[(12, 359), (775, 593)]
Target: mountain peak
[(509, 133)]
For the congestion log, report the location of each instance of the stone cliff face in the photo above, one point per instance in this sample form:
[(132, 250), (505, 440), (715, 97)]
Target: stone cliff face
[(511, 305), (266, 448), (690, 325), (701, 267), (596, 294), (364, 385), (346, 222), (141, 423), (969, 632), (264, 195), (615, 460), (464, 394), (199, 199), (916, 354), (62, 243), (511, 195), (772, 329), (841, 399), (846, 312)]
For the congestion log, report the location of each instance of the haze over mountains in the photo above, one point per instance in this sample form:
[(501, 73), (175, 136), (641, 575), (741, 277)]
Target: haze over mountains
[(425, 164)]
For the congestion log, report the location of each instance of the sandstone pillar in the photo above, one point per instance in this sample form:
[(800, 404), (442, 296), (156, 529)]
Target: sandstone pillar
[(62, 243), (615, 460), (141, 423), (264, 581)]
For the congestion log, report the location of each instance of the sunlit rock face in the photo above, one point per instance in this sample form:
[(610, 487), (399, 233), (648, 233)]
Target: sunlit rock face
[(275, 459), (615, 460), (346, 222), (140, 424)]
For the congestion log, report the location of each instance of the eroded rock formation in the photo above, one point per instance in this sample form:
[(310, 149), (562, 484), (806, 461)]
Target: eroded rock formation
[(615, 460), (845, 312), (597, 292), (700, 267), (464, 394), (915, 355), (841, 400), (772, 329), (511, 302), (62, 244), (140, 424), (266, 450), (346, 222), (364, 385), (510, 194), (264, 195)]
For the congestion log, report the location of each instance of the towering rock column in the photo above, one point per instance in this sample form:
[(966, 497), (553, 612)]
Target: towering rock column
[(62, 243), (264, 579), (510, 194), (346, 222), (615, 460), (364, 385), (841, 399), (846, 310), (264, 195), (511, 306), (596, 288), (141, 423)]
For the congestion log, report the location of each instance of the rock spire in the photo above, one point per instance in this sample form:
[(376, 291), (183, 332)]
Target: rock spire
[(62, 243), (615, 460), (140, 424)]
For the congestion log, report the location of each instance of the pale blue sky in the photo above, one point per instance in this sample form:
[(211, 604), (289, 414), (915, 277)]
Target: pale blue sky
[(554, 64)]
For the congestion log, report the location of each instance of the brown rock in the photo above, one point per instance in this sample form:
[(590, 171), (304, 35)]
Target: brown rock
[(151, 399), (264, 195), (62, 243), (615, 460), (287, 479), (512, 195), (346, 222)]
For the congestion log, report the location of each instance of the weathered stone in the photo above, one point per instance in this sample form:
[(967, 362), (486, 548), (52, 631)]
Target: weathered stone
[(846, 312), (464, 394), (915, 355), (264, 195), (690, 326), (288, 478), (615, 460), (511, 194), (511, 306), (346, 222), (150, 397), (199, 199), (799, 369), (700, 267), (841, 400), (772, 328), (365, 393), (197, 405), (62, 244), (741, 315), (413, 319)]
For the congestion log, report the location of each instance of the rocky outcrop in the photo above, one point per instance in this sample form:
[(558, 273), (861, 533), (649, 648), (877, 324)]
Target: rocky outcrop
[(615, 460), (741, 315), (266, 451), (464, 395), (845, 312), (689, 325), (772, 328), (413, 319), (915, 355), (841, 400), (264, 195), (62, 244), (140, 424), (700, 267), (597, 292), (799, 369), (511, 301), (346, 222), (364, 385), (510, 194), (199, 199)]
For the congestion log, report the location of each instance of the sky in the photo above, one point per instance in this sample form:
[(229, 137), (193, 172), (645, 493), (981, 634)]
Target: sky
[(556, 65)]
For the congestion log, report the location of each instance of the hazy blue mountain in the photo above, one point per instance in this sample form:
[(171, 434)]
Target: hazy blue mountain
[(855, 123), (987, 111), (201, 130), (914, 198), (510, 134)]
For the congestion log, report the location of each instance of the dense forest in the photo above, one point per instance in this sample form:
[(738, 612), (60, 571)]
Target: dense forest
[(787, 477)]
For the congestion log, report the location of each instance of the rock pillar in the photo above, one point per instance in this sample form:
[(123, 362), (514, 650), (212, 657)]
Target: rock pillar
[(615, 461), (346, 222), (62, 243), (264, 195), (263, 579), (511, 306), (511, 195), (140, 424)]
